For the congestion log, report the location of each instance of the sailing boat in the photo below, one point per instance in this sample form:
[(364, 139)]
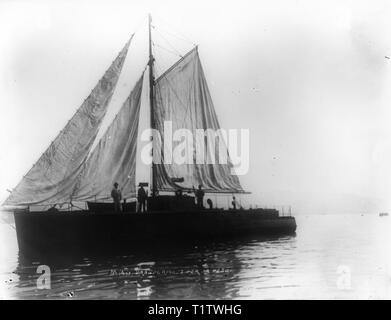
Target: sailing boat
[(69, 172)]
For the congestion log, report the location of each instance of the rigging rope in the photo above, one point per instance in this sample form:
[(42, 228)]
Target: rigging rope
[(168, 42), (179, 38), (183, 38), (168, 50)]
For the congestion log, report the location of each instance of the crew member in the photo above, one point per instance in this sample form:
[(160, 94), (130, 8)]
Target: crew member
[(179, 193), (117, 196), (141, 198), (199, 193), (234, 203)]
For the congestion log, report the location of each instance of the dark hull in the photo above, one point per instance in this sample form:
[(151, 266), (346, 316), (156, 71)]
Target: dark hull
[(74, 230)]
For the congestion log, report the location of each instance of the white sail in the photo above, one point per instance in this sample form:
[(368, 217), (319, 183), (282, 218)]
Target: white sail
[(182, 97), (114, 158), (52, 178)]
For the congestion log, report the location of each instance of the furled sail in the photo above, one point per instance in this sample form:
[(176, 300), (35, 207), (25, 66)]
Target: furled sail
[(182, 97), (52, 178), (114, 157)]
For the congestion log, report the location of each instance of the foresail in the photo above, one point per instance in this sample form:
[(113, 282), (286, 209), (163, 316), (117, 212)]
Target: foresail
[(52, 178), (182, 97), (114, 158)]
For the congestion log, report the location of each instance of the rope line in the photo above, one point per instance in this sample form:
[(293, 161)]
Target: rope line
[(170, 51), (168, 42), (183, 37)]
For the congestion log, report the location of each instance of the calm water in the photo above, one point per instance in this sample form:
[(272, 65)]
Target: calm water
[(333, 256)]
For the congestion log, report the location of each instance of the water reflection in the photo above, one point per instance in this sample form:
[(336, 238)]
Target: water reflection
[(216, 270), (301, 267)]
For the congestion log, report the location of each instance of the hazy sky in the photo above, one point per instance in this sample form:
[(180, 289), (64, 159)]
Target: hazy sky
[(310, 79)]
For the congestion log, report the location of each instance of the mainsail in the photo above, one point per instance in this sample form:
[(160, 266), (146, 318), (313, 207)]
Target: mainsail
[(52, 178), (182, 97), (114, 158)]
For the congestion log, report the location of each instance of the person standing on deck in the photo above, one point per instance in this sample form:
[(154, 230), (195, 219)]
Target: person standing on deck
[(141, 198), (234, 203), (199, 193), (117, 196)]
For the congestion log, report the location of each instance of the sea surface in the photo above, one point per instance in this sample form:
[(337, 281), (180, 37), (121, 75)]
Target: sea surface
[(330, 257)]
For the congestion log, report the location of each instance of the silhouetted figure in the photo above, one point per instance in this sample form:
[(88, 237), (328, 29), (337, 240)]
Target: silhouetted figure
[(210, 203), (234, 203), (117, 196), (141, 198), (179, 193), (199, 193)]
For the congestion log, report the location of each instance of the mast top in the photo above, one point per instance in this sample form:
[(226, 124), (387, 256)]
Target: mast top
[(151, 59)]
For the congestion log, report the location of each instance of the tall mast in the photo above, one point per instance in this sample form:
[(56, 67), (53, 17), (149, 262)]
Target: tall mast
[(151, 99)]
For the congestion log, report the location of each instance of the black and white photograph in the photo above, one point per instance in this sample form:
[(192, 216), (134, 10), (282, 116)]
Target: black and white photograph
[(195, 150)]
